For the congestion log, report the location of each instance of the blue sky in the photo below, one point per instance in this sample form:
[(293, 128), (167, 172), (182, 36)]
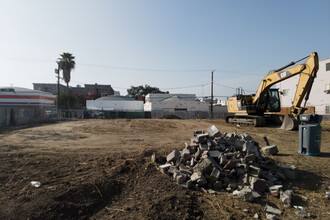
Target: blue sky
[(172, 44)]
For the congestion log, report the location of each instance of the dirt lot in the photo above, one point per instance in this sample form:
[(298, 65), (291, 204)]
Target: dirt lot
[(101, 169)]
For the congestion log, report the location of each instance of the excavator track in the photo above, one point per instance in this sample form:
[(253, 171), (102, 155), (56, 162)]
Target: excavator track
[(248, 120)]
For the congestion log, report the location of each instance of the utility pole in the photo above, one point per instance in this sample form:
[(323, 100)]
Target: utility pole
[(57, 71), (212, 94)]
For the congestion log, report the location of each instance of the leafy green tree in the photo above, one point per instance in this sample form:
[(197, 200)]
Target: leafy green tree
[(138, 91), (68, 101), (81, 101), (66, 63)]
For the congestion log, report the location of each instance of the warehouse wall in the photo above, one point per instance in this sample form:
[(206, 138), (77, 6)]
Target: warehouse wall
[(130, 106), (10, 116)]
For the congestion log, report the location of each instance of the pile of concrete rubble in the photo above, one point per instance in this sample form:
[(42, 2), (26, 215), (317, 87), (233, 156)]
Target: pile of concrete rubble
[(213, 161)]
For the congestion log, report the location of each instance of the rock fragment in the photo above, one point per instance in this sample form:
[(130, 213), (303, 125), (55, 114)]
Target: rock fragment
[(272, 150), (173, 156), (286, 198), (213, 131), (272, 210)]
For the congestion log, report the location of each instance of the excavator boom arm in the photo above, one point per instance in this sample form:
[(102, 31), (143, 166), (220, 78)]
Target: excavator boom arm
[(307, 73)]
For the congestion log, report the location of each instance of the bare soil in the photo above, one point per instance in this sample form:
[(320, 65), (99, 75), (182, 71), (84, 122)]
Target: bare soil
[(102, 169)]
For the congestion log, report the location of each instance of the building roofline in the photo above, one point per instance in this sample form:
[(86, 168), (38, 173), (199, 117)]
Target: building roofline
[(324, 59)]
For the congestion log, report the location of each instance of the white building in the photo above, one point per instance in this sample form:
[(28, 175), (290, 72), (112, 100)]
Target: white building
[(115, 103), (20, 106), (17, 96), (320, 93), (180, 105)]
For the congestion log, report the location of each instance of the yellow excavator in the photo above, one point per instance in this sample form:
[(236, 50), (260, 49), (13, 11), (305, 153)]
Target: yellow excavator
[(254, 109)]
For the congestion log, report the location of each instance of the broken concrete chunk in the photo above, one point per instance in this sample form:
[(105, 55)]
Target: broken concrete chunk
[(194, 140), (198, 153), (211, 191), (250, 157), (173, 156), (250, 147), (232, 186), (230, 165), (185, 154), (246, 137), (257, 184), (188, 184), (203, 147), (204, 166), (255, 194), (302, 212), (222, 159), (327, 195), (157, 158), (209, 145), (172, 169), (275, 190), (270, 149), (202, 138), (254, 171), (199, 178), (198, 132), (181, 178), (286, 198), (230, 135), (193, 162), (164, 168), (245, 194), (215, 174), (272, 210), (213, 131), (214, 153), (185, 169), (238, 144), (271, 216)]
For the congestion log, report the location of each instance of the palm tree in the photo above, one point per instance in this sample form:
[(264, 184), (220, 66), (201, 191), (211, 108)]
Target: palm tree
[(66, 63)]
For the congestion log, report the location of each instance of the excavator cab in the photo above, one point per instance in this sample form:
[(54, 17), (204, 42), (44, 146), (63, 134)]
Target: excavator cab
[(270, 102)]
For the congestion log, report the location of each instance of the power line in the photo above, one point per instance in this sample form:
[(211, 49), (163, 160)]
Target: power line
[(144, 69), (186, 87), (123, 68), (231, 87)]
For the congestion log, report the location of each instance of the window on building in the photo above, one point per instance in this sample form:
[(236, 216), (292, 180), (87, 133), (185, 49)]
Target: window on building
[(7, 90), (327, 88), (327, 67), (327, 109)]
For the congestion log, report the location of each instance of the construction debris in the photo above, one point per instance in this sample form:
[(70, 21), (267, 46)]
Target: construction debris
[(270, 150), (271, 210), (286, 198), (229, 162), (327, 195), (303, 212)]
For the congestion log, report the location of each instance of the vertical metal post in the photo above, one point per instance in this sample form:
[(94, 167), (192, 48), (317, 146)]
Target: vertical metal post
[(212, 94), (57, 71)]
